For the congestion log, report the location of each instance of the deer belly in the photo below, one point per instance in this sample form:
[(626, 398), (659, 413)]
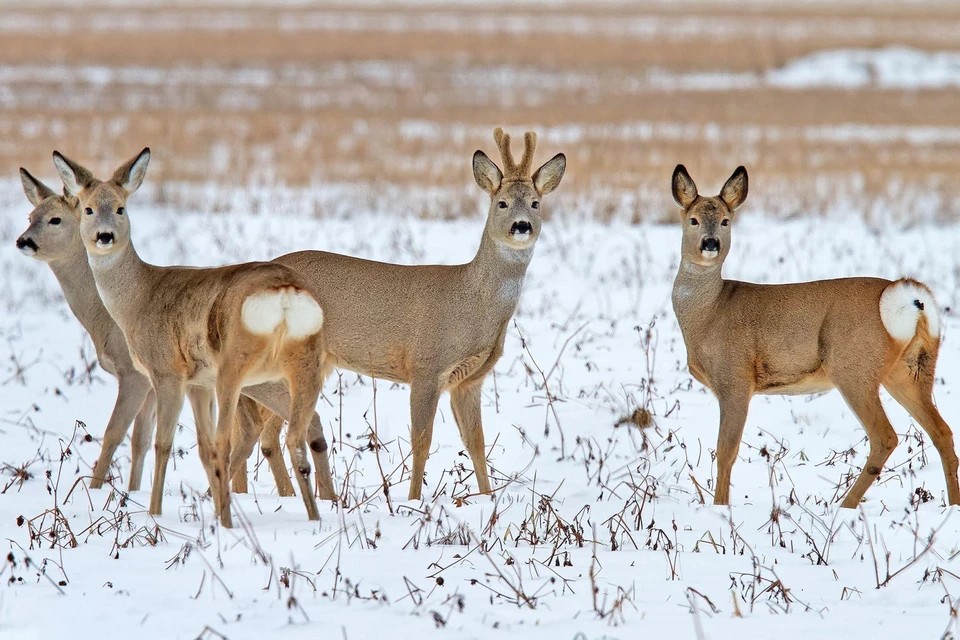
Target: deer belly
[(770, 382)]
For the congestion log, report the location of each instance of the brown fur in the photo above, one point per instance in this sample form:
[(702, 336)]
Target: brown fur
[(184, 328), (436, 328), (744, 338)]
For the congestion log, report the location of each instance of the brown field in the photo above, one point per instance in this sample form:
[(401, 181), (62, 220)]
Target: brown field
[(388, 102)]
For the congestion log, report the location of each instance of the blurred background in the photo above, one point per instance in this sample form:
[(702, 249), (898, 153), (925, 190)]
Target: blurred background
[(842, 107)]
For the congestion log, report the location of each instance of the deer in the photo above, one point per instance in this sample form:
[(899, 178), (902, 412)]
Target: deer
[(206, 332), (53, 237), (437, 327), (850, 334)]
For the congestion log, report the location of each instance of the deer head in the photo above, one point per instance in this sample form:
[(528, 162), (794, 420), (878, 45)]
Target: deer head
[(104, 227), (706, 220), (54, 221), (513, 221)]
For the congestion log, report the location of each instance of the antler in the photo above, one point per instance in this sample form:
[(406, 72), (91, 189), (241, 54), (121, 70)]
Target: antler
[(511, 168)]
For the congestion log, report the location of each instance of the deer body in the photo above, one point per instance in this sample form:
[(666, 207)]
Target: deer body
[(54, 237), (852, 334), (207, 330), (437, 328)]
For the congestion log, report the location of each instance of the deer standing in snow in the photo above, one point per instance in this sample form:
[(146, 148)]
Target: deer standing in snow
[(437, 328), (852, 334), (202, 331), (53, 237)]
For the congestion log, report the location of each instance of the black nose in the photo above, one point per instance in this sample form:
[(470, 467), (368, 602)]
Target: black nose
[(23, 243), (710, 244), (104, 238), (522, 226)]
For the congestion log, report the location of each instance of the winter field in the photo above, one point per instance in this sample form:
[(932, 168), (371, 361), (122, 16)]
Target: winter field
[(285, 125)]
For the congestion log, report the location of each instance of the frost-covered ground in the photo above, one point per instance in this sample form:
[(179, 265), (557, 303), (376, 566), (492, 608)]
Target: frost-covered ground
[(597, 527)]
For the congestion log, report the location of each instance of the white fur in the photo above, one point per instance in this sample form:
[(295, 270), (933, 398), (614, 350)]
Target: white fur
[(262, 313), (899, 313)]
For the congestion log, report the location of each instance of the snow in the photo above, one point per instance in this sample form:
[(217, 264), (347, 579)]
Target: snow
[(887, 68), (587, 497)]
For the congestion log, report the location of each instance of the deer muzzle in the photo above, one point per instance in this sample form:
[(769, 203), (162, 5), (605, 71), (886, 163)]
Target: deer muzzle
[(710, 247), (27, 246)]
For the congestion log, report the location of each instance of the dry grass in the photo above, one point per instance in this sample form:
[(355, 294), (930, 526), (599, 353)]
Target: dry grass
[(403, 98)]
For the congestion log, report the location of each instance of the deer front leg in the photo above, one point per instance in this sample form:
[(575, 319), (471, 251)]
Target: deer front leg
[(424, 396), (275, 396), (734, 403), (249, 426), (143, 427), (132, 388), (202, 401), (465, 402), (169, 404)]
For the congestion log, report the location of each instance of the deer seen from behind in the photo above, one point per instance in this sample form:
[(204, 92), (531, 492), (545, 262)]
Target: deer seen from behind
[(852, 334), (205, 331), (53, 237), (437, 328)]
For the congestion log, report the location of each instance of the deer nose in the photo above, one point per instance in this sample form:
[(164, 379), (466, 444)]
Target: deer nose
[(26, 243), (104, 238), (710, 244), (522, 227)]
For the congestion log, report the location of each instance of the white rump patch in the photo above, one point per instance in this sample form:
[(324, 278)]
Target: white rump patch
[(262, 313), (902, 303)]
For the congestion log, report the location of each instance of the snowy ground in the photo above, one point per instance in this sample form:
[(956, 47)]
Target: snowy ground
[(596, 530)]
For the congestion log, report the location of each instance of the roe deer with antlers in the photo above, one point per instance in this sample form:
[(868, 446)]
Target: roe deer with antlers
[(53, 237), (437, 328), (206, 330), (852, 334)]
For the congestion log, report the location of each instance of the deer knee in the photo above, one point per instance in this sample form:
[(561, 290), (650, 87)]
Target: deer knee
[(319, 445), (266, 451)]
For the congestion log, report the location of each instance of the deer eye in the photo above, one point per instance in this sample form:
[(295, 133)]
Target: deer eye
[(694, 222), (535, 204), (502, 204), (53, 221), (725, 223), (120, 211), (88, 211)]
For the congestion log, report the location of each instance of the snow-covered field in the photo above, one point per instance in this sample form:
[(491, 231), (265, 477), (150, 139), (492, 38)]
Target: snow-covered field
[(598, 528)]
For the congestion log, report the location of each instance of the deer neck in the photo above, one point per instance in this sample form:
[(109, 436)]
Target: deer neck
[(121, 279), (696, 293), (497, 272), (80, 289)]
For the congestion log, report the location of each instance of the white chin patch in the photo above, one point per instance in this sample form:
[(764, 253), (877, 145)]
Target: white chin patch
[(28, 251), (710, 255)]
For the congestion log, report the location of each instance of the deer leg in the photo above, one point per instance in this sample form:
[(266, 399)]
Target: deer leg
[(169, 404), (865, 403), (132, 388), (915, 395), (276, 397), (304, 384), (202, 403), (270, 448), (143, 426), (734, 404), (249, 426), (424, 396), (465, 402), (228, 395)]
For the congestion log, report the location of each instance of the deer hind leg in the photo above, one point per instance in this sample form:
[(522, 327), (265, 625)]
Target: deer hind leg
[(229, 383), (303, 376), (424, 396), (202, 402), (169, 404), (270, 448), (143, 427), (131, 391), (915, 393), (734, 404), (321, 458), (465, 403), (864, 401)]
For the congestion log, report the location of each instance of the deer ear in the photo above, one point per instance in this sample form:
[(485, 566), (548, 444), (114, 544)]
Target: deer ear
[(486, 173), (75, 177), (130, 176), (547, 178), (36, 191), (684, 189), (734, 192)]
